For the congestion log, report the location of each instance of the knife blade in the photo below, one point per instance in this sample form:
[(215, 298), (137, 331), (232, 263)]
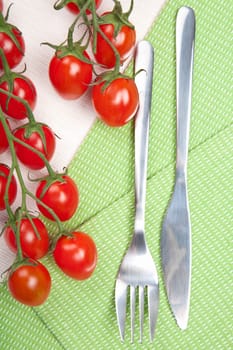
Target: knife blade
[(176, 228)]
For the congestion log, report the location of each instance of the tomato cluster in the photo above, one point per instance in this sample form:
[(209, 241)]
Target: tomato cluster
[(112, 39), (57, 197), (72, 71)]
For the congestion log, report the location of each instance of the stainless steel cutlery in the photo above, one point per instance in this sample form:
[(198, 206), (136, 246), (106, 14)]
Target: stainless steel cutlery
[(137, 273), (176, 230)]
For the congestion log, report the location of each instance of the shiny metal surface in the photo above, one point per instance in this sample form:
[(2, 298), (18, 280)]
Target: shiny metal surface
[(137, 272), (176, 230)]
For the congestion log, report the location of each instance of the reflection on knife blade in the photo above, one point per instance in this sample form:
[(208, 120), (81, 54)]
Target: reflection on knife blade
[(176, 230)]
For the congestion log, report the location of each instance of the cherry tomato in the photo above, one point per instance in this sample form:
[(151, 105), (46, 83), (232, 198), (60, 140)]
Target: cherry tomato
[(12, 192), (34, 137), (76, 255), (124, 42), (117, 103), (74, 8), (23, 88), (33, 246), (3, 138), (61, 196), (1, 5), (30, 283), (12, 53), (70, 76)]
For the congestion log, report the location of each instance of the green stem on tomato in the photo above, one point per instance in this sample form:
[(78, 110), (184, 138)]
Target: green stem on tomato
[(7, 28), (6, 199), (130, 8), (32, 121), (95, 25), (17, 236), (97, 29), (7, 74), (30, 115), (15, 166), (116, 53), (5, 64), (59, 4), (82, 13), (7, 13), (50, 170), (24, 189), (54, 215)]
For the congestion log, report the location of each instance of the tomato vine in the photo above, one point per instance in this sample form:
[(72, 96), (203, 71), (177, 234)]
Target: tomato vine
[(33, 144)]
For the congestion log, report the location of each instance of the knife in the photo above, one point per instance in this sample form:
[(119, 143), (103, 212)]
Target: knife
[(176, 228)]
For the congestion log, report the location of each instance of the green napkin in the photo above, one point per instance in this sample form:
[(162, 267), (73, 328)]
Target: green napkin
[(81, 315)]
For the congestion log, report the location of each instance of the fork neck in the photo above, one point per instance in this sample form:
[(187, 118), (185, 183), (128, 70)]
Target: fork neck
[(139, 222), (141, 152)]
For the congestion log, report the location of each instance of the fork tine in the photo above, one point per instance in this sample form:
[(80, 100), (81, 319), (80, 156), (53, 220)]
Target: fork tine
[(120, 301), (132, 310), (141, 310), (153, 297)]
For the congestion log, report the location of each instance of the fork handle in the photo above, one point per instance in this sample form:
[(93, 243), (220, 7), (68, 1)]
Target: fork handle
[(144, 63)]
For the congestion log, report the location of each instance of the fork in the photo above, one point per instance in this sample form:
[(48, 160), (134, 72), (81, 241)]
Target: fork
[(137, 270)]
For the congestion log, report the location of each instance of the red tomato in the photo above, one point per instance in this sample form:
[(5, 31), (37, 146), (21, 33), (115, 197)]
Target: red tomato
[(33, 138), (76, 255), (61, 196), (1, 5), (117, 103), (3, 138), (23, 88), (32, 246), (30, 283), (124, 43), (70, 76), (12, 53), (4, 174), (74, 8)]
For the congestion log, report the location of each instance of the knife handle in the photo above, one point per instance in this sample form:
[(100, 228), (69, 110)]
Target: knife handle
[(143, 64), (185, 35)]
